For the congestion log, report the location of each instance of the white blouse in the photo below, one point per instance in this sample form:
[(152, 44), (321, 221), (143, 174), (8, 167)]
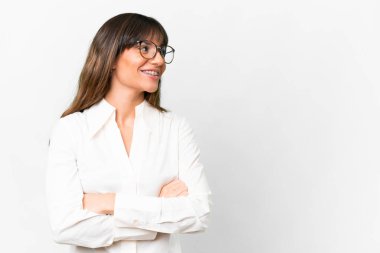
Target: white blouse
[(87, 155)]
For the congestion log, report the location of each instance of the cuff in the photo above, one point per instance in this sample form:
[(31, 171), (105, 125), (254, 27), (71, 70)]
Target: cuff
[(133, 234)]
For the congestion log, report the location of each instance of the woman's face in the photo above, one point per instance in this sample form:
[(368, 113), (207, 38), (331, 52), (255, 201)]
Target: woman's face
[(133, 71)]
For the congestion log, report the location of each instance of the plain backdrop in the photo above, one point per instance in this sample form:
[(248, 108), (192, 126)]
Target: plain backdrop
[(283, 96)]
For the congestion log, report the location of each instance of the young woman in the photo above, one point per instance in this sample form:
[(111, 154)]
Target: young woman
[(124, 173)]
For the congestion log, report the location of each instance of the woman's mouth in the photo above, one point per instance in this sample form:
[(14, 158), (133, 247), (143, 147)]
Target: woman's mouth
[(151, 73)]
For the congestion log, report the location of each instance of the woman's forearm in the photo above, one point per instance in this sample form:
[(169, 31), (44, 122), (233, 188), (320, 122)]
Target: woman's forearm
[(102, 203)]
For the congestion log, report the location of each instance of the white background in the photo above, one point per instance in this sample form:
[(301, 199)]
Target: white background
[(283, 96)]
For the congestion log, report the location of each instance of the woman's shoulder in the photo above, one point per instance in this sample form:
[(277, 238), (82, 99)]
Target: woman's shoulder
[(72, 123), (173, 117), (177, 119), (155, 117), (170, 115), (72, 120)]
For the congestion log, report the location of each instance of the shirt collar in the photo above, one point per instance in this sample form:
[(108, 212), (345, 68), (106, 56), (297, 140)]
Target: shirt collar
[(102, 112)]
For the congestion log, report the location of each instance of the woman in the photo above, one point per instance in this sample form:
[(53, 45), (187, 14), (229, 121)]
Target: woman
[(123, 173)]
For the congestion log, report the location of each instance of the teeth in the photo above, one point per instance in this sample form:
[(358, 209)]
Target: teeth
[(151, 72)]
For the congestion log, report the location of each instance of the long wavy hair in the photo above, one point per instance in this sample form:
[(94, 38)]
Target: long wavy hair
[(115, 35)]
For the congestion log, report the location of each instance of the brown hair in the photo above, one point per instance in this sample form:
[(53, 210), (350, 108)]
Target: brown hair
[(115, 35)]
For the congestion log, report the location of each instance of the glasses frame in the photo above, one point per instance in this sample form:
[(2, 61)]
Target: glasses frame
[(160, 49)]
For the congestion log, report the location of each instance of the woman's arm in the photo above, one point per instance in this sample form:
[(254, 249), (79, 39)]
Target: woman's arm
[(70, 223), (101, 203), (183, 205), (104, 203)]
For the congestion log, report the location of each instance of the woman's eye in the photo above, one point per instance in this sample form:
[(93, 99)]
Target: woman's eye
[(144, 49)]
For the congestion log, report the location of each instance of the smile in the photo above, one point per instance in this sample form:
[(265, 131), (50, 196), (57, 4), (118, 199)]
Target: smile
[(151, 72)]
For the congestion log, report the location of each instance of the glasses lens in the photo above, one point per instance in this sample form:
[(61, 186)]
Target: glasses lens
[(169, 54), (147, 49)]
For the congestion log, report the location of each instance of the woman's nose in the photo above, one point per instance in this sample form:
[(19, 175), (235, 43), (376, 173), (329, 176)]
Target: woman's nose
[(158, 59)]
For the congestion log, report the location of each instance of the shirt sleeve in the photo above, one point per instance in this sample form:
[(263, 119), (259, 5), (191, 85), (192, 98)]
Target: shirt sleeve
[(171, 215), (70, 223)]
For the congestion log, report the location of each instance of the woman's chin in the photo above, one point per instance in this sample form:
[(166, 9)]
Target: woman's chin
[(151, 89)]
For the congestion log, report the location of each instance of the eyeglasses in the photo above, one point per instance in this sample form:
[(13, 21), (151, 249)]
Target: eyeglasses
[(148, 50)]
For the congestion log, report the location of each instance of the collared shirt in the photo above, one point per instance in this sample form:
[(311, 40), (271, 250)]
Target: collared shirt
[(87, 155)]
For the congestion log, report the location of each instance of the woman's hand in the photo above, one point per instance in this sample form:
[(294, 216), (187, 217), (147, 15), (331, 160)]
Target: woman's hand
[(102, 203), (174, 188)]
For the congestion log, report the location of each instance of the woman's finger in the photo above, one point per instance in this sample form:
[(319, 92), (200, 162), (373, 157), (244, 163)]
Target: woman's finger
[(183, 193), (173, 188), (173, 191)]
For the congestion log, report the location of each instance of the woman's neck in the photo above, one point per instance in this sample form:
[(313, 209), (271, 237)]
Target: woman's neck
[(125, 103)]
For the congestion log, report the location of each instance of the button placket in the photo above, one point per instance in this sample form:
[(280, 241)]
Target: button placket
[(140, 152), (121, 157)]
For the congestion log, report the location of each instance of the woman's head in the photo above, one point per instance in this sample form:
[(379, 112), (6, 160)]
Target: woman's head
[(117, 36)]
